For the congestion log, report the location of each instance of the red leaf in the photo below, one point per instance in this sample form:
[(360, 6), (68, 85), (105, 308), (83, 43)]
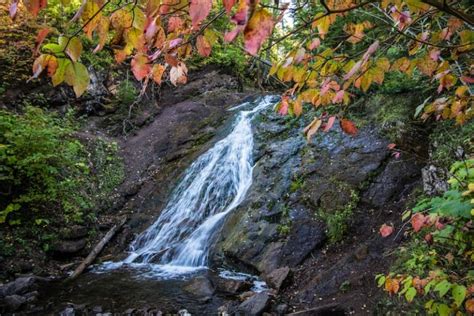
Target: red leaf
[(34, 6), (258, 29), (391, 146), (203, 46), (329, 124), (283, 108), (174, 23), (428, 238), (467, 79), (199, 10), (171, 60), (386, 230), (348, 127), (140, 67), (231, 35), (314, 44), (418, 221), (228, 4), (39, 39)]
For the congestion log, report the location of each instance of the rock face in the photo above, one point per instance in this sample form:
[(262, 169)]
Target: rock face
[(255, 305), (277, 225)]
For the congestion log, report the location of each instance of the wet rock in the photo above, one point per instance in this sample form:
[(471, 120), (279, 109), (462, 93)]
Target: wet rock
[(434, 180), (68, 311), (228, 308), (74, 232), (246, 295), (232, 287), (281, 309), (276, 278), (201, 287), (255, 305), (19, 286), (14, 302), (69, 246), (392, 181)]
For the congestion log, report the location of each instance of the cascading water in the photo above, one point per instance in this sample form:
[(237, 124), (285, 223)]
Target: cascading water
[(215, 184)]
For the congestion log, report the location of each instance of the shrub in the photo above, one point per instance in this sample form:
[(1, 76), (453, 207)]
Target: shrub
[(434, 271)]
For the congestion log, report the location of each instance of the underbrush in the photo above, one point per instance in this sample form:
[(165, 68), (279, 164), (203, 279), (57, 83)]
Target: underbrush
[(48, 177), (434, 271)]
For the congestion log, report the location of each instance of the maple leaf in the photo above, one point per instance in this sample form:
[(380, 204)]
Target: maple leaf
[(258, 29), (178, 74), (386, 230), (203, 46), (418, 221), (199, 10), (348, 127)]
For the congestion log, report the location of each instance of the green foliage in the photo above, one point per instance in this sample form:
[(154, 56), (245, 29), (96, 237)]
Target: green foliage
[(336, 221), (434, 269), (40, 163), (47, 175), (450, 140), (296, 184), (228, 57), (127, 93), (399, 82)]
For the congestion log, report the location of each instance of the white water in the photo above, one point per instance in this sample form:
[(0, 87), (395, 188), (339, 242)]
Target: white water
[(216, 183)]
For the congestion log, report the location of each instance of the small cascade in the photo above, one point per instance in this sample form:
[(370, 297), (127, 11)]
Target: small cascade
[(216, 183)]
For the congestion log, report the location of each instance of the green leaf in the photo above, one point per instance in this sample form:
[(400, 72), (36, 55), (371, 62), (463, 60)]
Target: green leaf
[(443, 287), (459, 294), (76, 75), (380, 280), (443, 310), (410, 294), (74, 48), (58, 76)]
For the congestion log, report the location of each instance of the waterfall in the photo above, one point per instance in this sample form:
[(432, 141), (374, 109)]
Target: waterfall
[(215, 184)]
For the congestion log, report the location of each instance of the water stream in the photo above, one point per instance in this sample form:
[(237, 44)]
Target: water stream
[(179, 241)]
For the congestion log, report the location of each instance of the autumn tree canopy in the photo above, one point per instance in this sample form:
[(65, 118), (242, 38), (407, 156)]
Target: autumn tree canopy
[(325, 50)]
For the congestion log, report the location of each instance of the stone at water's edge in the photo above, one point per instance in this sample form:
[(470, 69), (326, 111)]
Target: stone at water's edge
[(255, 305)]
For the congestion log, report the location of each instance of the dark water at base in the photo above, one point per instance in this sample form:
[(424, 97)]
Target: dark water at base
[(121, 290)]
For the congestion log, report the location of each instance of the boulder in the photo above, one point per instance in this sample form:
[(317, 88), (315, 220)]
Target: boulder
[(232, 287), (14, 302), (19, 286), (276, 278), (69, 246), (255, 305), (74, 232), (201, 287)]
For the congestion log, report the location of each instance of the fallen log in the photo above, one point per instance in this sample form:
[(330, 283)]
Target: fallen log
[(97, 249)]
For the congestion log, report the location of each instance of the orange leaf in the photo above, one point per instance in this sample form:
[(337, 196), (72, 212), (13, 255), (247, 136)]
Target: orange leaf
[(171, 60), (157, 73), (40, 38), (203, 46), (391, 146), (469, 305), (312, 128), (348, 127), (386, 230), (297, 107), (140, 67), (418, 221), (392, 285)]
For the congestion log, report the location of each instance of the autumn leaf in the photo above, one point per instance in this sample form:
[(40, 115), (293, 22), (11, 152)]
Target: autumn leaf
[(203, 46), (140, 67), (13, 8), (469, 305), (329, 123), (199, 10), (228, 4), (283, 106), (178, 74), (348, 127), (314, 44), (102, 31), (157, 73), (35, 6), (386, 230), (43, 62), (392, 285), (40, 39), (418, 221), (312, 128), (258, 29), (74, 48)]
